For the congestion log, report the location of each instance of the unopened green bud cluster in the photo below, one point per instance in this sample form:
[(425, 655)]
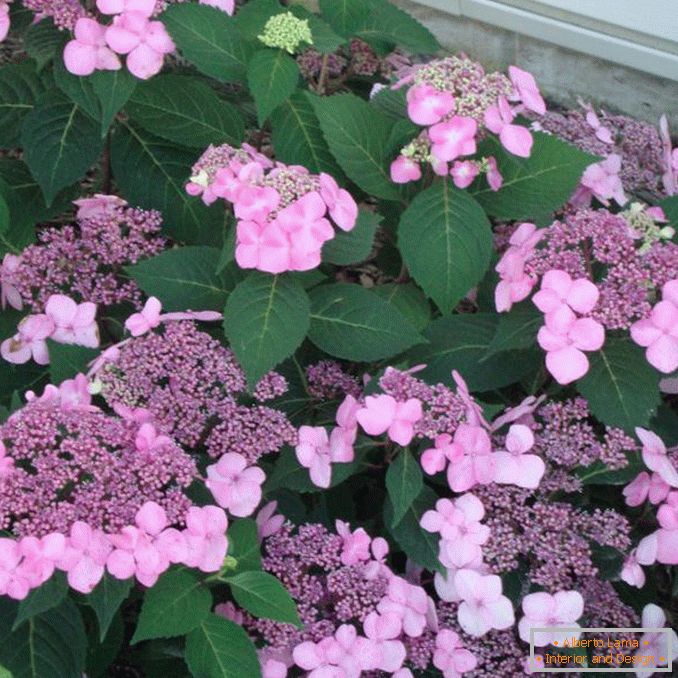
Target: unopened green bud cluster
[(286, 31)]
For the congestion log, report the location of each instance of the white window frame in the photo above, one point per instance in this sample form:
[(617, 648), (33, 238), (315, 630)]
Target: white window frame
[(591, 30)]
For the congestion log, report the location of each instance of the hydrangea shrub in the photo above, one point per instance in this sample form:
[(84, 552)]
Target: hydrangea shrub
[(324, 352)]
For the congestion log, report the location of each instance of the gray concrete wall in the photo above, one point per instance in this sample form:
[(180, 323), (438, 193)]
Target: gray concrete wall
[(563, 74)]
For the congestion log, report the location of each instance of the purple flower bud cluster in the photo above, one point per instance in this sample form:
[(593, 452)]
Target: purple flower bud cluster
[(328, 381), (196, 392), (85, 260)]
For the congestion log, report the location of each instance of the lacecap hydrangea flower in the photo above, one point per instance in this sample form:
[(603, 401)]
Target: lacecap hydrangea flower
[(286, 31)]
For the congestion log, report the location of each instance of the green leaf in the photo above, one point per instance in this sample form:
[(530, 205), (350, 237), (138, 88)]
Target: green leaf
[(67, 360), (186, 278), (350, 322), (60, 142), (358, 134), (298, 139), (186, 110), (50, 644), (461, 342), (266, 318), (272, 75), (393, 102), (113, 89), (102, 653), (446, 241), (345, 16), (243, 544), (43, 42), (44, 598), (152, 172), (419, 545), (78, 89), (621, 387), (210, 40), (325, 40), (535, 185), (404, 482), (106, 600), (599, 473), (4, 217), (388, 23), (409, 300), (219, 648), (352, 247), (177, 604), (251, 18), (20, 86), (516, 330), (262, 595), (669, 205)]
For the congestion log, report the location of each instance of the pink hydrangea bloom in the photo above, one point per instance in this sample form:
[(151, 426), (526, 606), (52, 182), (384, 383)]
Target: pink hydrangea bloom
[(659, 332), (514, 138), (235, 485), (662, 545), (9, 294), (30, 341), (513, 466), (426, 105), (602, 180), (341, 205), (464, 172), (565, 337), (645, 486), (494, 176), (561, 609), (435, 459), (476, 466), (558, 288), (527, 90), (147, 319), (316, 451), (653, 644), (383, 630), (384, 414), (656, 458), (145, 7), (268, 521), (408, 602), (98, 206), (4, 20), (206, 540), (73, 323), (453, 138), (271, 668), (450, 657), (483, 605), (88, 52), (404, 169), (85, 557), (632, 573), (355, 545)]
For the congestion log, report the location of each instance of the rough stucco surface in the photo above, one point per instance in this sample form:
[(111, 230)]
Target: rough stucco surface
[(563, 74)]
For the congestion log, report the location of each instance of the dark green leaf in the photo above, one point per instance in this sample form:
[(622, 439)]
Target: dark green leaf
[(60, 142), (621, 387), (113, 89), (535, 185), (44, 41), (243, 544), (298, 139), (262, 595), (177, 604), (419, 545), (461, 342), (404, 482), (349, 321), (20, 87), (352, 247), (185, 110), (251, 18), (185, 278), (325, 40), (44, 598), (265, 320), (77, 89), (409, 300), (219, 648), (49, 645), (515, 330), (272, 75), (152, 173), (106, 599), (210, 40), (446, 241), (345, 16), (599, 473), (358, 135), (67, 360)]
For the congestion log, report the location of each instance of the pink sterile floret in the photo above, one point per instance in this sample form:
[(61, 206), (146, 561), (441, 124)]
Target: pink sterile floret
[(235, 485), (561, 609), (384, 414), (88, 52)]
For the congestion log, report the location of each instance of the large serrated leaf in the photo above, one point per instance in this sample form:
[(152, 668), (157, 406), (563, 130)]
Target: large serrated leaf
[(262, 595), (151, 173), (20, 86), (350, 322), (106, 599), (60, 142), (67, 360), (266, 319), (186, 278), (210, 40), (186, 110), (219, 648), (446, 241), (404, 482), (621, 387), (44, 598), (272, 76), (345, 16), (536, 185), (113, 89), (358, 135), (176, 605), (353, 246)]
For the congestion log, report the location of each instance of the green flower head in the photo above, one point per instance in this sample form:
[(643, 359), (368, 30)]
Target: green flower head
[(287, 32)]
